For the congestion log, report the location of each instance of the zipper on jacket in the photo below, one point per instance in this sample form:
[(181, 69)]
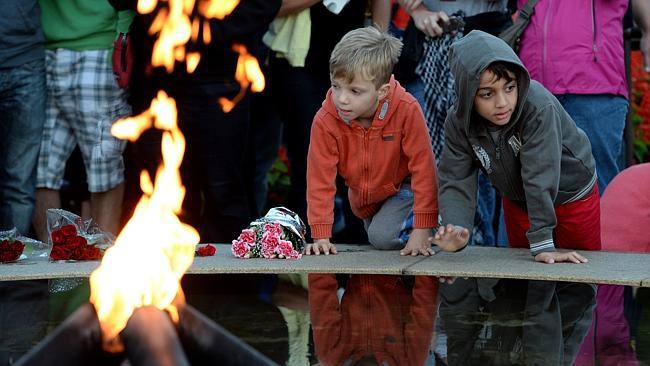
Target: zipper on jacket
[(502, 166), (594, 25), (544, 43), (366, 172), (498, 149)]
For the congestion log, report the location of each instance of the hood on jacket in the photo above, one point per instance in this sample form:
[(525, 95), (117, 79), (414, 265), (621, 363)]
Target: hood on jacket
[(468, 58), (396, 93)]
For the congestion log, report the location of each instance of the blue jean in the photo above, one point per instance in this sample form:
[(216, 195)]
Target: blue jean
[(602, 117), (22, 114)]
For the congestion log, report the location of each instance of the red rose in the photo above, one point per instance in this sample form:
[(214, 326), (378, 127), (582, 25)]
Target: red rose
[(68, 230), (58, 253), (91, 253), (76, 241), (5, 257), (10, 251), (78, 253), (206, 251), (57, 237)]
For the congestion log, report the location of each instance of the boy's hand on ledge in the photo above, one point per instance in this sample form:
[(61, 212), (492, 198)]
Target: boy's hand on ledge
[(418, 243), (450, 238), (552, 257), (320, 246)]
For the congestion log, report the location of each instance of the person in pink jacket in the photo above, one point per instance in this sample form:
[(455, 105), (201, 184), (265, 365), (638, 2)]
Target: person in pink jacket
[(575, 49), (625, 217)]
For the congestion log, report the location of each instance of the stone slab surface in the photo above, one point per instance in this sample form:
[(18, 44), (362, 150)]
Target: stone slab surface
[(604, 267)]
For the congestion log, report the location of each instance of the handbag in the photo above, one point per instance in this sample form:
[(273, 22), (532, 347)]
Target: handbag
[(122, 59), (512, 34)]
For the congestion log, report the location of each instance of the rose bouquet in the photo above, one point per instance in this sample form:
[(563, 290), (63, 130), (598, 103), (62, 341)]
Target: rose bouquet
[(279, 234), (14, 247), (74, 238)]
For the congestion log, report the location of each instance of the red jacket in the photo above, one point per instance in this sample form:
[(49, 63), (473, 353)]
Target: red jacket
[(374, 162), (379, 316)]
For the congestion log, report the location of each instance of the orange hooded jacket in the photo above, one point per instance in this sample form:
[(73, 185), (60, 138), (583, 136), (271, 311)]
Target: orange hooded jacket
[(374, 162)]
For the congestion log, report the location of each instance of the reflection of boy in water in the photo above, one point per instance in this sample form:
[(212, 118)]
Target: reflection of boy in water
[(380, 320)]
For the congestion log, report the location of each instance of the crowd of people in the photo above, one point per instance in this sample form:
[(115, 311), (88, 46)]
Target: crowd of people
[(415, 135)]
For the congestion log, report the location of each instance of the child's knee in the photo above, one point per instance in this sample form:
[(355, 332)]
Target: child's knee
[(383, 241)]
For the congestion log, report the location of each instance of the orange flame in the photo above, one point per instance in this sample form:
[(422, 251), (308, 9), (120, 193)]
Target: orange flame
[(218, 8), (248, 73), (154, 250)]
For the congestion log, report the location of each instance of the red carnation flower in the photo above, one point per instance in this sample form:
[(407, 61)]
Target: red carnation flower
[(206, 251)]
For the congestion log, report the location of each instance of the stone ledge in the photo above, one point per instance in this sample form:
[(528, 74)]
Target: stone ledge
[(603, 267)]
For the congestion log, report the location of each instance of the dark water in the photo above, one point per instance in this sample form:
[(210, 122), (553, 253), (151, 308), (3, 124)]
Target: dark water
[(379, 319)]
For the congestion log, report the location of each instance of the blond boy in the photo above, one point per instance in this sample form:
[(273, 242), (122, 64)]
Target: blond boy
[(372, 133)]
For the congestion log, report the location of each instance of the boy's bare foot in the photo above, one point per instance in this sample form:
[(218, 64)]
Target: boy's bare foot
[(450, 238), (320, 246)]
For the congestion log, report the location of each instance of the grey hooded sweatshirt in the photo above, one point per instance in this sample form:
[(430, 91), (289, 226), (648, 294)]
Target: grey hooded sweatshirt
[(538, 160)]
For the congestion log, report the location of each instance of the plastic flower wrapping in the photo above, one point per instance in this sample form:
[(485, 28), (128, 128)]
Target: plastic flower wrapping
[(15, 247), (73, 238), (279, 234)]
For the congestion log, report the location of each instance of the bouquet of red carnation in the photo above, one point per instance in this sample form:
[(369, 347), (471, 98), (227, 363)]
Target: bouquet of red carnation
[(279, 234), (74, 238), (14, 247)]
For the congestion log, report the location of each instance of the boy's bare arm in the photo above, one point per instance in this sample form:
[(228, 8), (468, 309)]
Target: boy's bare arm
[(320, 246), (289, 7), (418, 243)]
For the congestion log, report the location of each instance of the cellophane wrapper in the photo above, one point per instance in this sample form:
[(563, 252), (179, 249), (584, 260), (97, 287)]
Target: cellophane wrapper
[(279, 234)]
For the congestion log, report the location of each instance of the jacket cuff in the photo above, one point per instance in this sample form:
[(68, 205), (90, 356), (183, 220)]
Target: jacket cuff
[(542, 246), (425, 220), (321, 231)]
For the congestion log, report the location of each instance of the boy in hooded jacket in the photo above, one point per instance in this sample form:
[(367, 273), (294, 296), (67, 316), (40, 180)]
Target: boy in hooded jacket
[(518, 134), (372, 133)]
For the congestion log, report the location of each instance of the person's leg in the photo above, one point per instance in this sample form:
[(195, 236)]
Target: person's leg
[(516, 223), (298, 95), (602, 117), (99, 105), (577, 302), (388, 229), (57, 141), (542, 329), (45, 199), (459, 311), (213, 170), (578, 223), (266, 136), (106, 208), (483, 233), (22, 115)]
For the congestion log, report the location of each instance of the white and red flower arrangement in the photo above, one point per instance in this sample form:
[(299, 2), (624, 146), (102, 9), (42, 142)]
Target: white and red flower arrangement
[(279, 234)]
